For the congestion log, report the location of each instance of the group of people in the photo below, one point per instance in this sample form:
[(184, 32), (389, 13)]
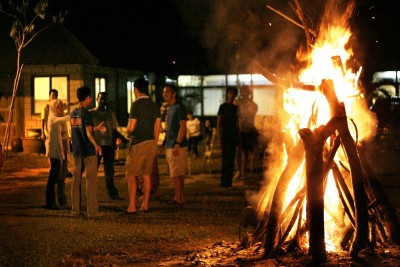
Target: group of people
[(94, 133), (237, 133), (92, 138)]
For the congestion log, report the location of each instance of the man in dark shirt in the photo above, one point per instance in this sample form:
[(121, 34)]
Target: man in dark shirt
[(144, 128), (107, 141), (228, 133)]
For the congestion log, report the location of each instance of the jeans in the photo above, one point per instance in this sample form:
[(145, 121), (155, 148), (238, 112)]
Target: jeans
[(58, 172), (90, 164), (228, 163), (108, 154)]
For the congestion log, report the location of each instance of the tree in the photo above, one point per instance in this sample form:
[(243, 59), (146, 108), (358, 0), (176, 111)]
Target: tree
[(29, 19)]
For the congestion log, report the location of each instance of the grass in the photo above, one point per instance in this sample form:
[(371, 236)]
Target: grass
[(33, 236)]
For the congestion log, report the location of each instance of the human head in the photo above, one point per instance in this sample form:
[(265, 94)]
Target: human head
[(170, 93), (142, 85), (245, 92), (190, 115), (231, 92), (56, 107), (83, 92), (102, 99), (53, 94)]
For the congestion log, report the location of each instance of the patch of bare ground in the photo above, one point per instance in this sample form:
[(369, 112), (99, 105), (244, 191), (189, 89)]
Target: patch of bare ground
[(202, 233)]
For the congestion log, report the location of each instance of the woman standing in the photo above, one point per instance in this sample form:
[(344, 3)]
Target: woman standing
[(57, 149)]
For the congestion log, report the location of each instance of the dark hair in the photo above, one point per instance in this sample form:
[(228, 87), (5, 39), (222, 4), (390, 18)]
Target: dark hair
[(53, 91), (233, 89), (173, 88), (102, 93), (83, 92), (142, 85)]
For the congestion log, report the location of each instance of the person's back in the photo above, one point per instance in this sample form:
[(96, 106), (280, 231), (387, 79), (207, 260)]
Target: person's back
[(85, 151), (80, 119)]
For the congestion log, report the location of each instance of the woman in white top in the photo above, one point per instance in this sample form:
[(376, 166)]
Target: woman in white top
[(57, 149), (193, 126)]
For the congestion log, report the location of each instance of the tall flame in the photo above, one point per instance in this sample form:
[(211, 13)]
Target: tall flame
[(309, 109)]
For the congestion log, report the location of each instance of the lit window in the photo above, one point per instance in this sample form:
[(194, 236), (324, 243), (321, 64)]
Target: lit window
[(212, 99), (214, 80), (41, 89), (265, 100), (131, 96), (189, 80), (99, 85), (192, 99)]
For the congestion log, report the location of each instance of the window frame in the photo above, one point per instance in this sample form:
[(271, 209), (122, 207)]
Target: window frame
[(50, 77)]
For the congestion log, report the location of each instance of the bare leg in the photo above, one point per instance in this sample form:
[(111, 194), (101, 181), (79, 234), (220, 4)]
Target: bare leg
[(132, 188), (239, 163), (179, 189), (146, 192), (182, 189)]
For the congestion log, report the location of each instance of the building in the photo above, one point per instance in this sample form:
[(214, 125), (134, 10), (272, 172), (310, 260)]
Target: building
[(56, 59)]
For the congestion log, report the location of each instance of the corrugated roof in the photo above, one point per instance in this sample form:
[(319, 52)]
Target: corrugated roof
[(55, 45)]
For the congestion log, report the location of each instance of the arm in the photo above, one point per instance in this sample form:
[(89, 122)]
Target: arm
[(219, 118), (179, 138), (157, 129), (131, 125), (89, 133)]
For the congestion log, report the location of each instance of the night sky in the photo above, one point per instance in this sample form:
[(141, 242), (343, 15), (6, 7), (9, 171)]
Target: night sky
[(217, 36)]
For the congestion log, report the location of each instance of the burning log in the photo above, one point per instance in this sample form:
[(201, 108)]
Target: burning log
[(271, 222), (361, 214), (376, 193), (313, 143)]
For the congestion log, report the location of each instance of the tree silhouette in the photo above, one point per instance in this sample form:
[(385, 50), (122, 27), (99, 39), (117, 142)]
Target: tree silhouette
[(29, 19)]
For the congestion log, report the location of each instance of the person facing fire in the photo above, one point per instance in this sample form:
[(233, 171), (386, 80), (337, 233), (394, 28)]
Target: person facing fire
[(228, 135), (247, 111)]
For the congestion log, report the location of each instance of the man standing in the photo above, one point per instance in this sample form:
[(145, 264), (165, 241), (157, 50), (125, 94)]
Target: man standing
[(228, 133), (85, 150), (106, 140), (144, 128), (176, 143), (53, 94), (247, 111)]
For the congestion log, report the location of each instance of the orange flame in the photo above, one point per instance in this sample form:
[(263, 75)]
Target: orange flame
[(309, 109)]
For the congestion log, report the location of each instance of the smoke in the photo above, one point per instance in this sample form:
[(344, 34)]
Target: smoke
[(240, 32)]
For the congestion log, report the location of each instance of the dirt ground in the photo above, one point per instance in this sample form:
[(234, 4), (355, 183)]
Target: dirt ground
[(30, 171)]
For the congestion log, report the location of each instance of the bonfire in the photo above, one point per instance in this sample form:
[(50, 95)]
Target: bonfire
[(322, 195)]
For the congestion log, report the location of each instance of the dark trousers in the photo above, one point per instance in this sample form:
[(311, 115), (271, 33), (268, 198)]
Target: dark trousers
[(192, 144), (108, 155), (58, 172), (228, 163)]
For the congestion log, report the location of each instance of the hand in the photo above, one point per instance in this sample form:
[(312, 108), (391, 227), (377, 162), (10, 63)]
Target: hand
[(101, 127), (118, 142), (98, 150), (175, 151)]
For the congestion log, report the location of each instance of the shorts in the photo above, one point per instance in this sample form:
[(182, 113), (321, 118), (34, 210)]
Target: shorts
[(177, 165), (140, 158), (248, 141)]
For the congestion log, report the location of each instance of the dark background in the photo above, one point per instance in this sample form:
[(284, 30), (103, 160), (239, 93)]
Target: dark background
[(220, 36)]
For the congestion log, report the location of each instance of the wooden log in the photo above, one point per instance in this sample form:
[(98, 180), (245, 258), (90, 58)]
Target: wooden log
[(295, 158), (313, 145), (361, 214), (376, 192)]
